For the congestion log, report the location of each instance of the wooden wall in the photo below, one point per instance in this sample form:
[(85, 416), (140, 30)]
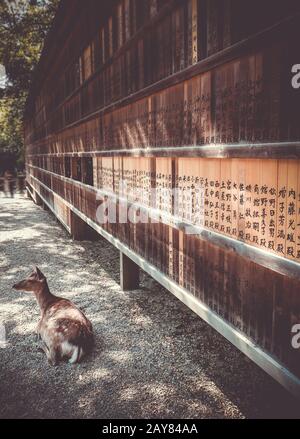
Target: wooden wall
[(193, 96)]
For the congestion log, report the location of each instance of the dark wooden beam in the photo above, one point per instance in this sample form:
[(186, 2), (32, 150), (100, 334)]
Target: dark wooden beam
[(129, 273)]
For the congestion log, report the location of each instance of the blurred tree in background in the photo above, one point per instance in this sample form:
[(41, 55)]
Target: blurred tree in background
[(23, 27)]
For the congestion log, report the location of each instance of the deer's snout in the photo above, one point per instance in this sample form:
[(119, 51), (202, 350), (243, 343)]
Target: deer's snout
[(19, 285)]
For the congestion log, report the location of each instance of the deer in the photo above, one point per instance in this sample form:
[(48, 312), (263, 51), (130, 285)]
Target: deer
[(64, 330)]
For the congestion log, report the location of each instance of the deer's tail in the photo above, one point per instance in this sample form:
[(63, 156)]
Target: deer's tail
[(84, 340)]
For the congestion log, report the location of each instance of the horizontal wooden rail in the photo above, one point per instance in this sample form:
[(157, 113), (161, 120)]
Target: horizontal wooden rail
[(269, 364), (268, 150), (266, 259), (30, 190)]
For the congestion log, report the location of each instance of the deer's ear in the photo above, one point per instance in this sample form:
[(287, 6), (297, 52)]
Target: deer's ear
[(39, 273)]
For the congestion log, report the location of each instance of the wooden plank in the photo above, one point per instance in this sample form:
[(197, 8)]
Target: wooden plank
[(291, 212), (212, 27), (298, 219), (281, 217)]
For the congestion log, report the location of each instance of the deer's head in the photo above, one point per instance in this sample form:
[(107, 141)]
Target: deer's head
[(34, 282)]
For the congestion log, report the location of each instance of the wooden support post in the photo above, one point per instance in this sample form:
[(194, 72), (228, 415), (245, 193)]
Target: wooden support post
[(45, 207), (37, 199), (28, 193), (129, 273), (81, 231)]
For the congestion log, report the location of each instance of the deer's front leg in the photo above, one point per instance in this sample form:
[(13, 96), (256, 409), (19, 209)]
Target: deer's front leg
[(39, 339), (51, 354), (38, 332)]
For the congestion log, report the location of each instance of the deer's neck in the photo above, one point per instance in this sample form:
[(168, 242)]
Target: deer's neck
[(44, 296)]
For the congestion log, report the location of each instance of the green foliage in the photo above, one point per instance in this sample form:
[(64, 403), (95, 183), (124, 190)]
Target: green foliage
[(23, 27)]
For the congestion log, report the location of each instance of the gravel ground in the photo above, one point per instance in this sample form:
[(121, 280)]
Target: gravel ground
[(154, 358)]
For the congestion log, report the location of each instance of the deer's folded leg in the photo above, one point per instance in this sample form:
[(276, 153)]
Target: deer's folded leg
[(42, 347), (51, 353), (76, 355), (53, 356)]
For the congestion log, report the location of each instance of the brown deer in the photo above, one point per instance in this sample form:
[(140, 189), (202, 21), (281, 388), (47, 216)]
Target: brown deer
[(65, 331)]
